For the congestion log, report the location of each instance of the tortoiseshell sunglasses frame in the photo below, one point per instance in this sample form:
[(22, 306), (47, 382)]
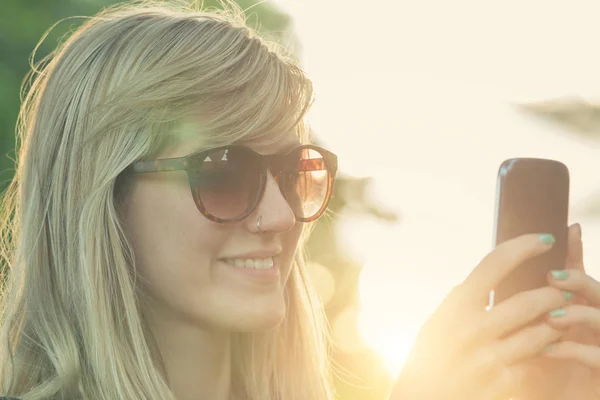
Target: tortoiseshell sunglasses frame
[(272, 162)]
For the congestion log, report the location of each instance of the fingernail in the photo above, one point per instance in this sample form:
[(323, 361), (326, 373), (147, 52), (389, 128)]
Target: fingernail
[(559, 312), (550, 348), (546, 238), (568, 296), (560, 275)]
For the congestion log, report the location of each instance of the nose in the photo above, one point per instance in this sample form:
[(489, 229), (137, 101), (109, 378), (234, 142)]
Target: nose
[(275, 212)]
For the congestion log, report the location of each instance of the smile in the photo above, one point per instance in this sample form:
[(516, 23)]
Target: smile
[(251, 263)]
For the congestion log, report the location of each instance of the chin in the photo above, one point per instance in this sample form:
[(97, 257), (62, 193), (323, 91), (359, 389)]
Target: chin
[(259, 320), (262, 326)]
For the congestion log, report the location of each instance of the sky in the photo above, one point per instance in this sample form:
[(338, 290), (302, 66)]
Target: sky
[(423, 96)]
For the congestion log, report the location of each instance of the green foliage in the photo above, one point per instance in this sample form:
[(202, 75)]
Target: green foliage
[(24, 22)]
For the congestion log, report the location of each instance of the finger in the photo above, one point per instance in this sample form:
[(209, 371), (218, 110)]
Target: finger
[(577, 281), (572, 315), (582, 353), (574, 257), (501, 261), (579, 334), (575, 248), (525, 343), (517, 311)]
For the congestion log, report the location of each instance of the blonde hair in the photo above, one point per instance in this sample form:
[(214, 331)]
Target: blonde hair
[(111, 94)]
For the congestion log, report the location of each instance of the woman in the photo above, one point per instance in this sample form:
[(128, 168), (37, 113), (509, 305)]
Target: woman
[(155, 224)]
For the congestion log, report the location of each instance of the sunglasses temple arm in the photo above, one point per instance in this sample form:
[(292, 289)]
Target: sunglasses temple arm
[(166, 165)]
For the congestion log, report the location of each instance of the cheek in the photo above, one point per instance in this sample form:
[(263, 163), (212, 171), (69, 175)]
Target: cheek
[(290, 241), (173, 243), (292, 238)]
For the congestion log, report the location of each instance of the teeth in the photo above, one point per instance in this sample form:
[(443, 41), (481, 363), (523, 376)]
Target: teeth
[(254, 263)]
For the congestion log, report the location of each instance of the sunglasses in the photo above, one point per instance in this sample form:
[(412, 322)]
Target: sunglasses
[(228, 182)]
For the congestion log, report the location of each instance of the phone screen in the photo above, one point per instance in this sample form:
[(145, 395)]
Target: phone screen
[(532, 197)]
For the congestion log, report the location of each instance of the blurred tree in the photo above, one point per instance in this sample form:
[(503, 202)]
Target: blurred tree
[(22, 24), (580, 117)]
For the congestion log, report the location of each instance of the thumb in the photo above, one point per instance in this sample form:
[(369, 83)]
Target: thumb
[(575, 248)]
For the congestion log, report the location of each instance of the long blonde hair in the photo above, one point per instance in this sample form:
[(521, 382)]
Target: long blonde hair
[(111, 94)]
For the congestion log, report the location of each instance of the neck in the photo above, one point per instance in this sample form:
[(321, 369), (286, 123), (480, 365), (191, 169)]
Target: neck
[(197, 360)]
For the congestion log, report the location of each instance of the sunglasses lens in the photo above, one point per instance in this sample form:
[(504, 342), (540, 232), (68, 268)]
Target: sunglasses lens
[(227, 182), (305, 183)]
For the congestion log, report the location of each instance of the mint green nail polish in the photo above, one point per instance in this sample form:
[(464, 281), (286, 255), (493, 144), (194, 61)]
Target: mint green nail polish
[(560, 275), (559, 312), (568, 296), (546, 238)]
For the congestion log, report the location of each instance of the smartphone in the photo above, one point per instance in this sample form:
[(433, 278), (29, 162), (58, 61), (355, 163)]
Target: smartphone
[(532, 196)]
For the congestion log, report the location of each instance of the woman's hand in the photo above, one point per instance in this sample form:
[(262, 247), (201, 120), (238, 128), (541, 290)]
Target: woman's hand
[(571, 366), (464, 352)]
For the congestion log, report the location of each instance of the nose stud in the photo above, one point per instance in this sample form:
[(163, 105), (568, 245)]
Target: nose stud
[(258, 224)]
